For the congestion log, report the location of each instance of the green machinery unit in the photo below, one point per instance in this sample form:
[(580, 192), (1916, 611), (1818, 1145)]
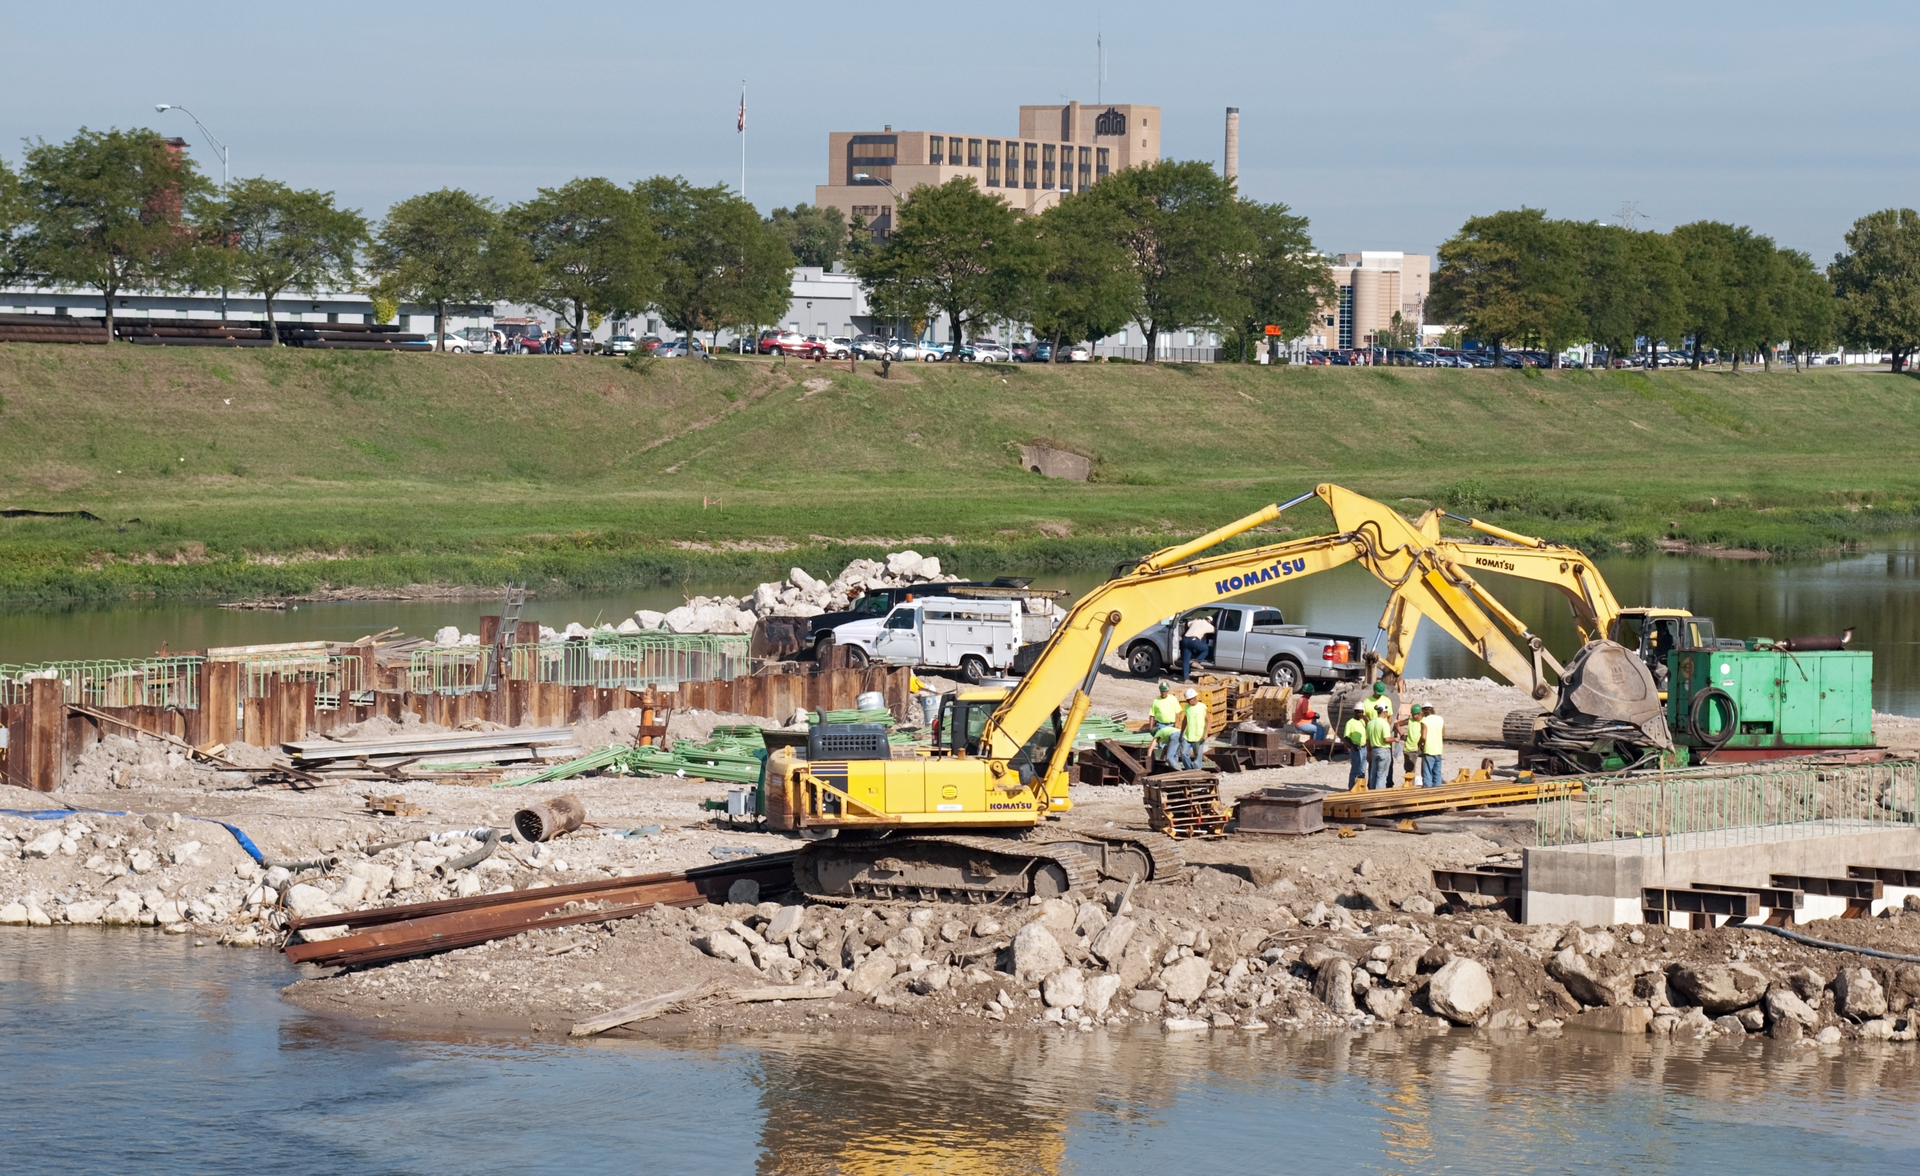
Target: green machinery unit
[(1756, 699)]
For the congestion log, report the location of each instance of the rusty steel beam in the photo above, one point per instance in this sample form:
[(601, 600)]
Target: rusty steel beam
[(401, 932)]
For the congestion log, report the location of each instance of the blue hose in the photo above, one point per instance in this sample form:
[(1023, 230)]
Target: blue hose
[(246, 843)]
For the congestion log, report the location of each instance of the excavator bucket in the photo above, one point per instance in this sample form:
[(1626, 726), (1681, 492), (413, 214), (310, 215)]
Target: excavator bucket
[(1607, 681)]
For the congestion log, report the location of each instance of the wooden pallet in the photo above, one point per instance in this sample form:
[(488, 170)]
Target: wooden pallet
[(1405, 801), (392, 806), (1186, 804)]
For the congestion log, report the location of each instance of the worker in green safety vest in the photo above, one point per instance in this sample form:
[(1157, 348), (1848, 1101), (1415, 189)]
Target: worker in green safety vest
[(1379, 751), (1432, 744), (1193, 733), (1354, 734), (1165, 716)]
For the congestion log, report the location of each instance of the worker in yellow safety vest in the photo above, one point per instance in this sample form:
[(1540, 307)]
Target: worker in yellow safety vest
[(1193, 733), (1379, 751), (1432, 744), (1165, 716), (1354, 735), (1410, 740)]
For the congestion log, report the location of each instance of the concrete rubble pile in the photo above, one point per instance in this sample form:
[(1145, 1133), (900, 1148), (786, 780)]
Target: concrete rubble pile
[(801, 595)]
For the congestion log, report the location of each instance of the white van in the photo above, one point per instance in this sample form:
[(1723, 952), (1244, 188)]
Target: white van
[(977, 637)]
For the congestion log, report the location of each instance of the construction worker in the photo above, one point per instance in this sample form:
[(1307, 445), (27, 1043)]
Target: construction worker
[(1303, 716), (1354, 734), (1432, 746), (1410, 768), (1378, 700), (1193, 732), (1379, 751), (1165, 723), (929, 701), (1196, 644)]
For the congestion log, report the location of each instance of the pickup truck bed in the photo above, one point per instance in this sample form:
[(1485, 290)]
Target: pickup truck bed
[(1253, 639)]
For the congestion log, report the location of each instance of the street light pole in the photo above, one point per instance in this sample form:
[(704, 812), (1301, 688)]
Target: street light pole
[(225, 171)]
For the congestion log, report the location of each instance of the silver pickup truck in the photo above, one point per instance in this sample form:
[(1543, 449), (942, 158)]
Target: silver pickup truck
[(1255, 639)]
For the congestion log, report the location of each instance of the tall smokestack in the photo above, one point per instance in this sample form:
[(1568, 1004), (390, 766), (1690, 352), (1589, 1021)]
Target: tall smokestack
[(1233, 143)]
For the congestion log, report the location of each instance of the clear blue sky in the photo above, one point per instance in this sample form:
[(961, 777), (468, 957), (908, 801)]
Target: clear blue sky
[(1386, 123)]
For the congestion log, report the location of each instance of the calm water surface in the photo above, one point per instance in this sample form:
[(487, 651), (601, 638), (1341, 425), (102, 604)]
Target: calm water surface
[(1878, 594), (130, 1051)]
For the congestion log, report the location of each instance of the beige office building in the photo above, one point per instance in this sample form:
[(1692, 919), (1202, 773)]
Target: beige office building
[(1373, 287), (1059, 149)]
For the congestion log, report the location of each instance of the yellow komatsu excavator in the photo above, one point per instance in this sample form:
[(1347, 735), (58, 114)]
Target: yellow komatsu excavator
[(970, 821)]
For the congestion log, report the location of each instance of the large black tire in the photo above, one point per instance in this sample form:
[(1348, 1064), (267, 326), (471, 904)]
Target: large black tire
[(1285, 671), (1143, 658), (1516, 730), (973, 668), (823, 648), (856, 657)]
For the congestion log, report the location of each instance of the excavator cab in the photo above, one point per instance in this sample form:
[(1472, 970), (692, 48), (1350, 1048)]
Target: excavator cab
[(961, 726), (1653, 633)]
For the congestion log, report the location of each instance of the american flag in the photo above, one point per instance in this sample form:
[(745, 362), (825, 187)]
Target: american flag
[(741, 125)]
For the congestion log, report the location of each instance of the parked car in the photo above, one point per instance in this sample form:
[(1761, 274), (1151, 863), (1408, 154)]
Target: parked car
[(1039, 353), (990, 352), (618, 345), (789, 343), (830, 347), (678, 348), (1080, 353), (870, 346), (908, 350)]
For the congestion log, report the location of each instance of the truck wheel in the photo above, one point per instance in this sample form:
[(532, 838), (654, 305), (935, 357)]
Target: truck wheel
[(1144, 660), (973, 669), (1284, 671), (823, 648), (856, 657)]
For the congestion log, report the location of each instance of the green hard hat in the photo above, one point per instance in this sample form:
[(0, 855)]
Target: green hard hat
[(1379, 687)]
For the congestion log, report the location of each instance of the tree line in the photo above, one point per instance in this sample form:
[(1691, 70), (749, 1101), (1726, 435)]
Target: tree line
[(117, 211), (1521, 278)]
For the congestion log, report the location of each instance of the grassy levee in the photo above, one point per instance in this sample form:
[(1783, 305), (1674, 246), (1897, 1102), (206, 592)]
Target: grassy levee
[(228, 473)]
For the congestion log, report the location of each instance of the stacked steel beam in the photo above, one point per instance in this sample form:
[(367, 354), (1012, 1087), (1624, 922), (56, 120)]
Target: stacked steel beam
[(50, 328)]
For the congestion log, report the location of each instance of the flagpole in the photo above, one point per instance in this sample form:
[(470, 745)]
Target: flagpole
[(743, 138)]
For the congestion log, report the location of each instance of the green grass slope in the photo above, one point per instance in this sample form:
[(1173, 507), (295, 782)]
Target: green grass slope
[(220, 472)]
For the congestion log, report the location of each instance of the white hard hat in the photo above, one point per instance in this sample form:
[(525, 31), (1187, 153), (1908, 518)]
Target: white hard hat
[(1193, 694)]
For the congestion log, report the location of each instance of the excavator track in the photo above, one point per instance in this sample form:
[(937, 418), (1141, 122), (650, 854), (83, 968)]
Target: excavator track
[(942, 868), (1123, 854)]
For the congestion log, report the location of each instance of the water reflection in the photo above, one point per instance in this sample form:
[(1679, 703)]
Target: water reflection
[(134, 1051)]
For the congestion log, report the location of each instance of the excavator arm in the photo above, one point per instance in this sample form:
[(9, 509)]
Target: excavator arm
[(1399, 553), (1565, 568)]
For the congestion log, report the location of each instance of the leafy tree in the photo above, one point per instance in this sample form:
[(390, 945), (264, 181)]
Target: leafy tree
[(1509, 277), (1809, 306), (13, 219), (719, 263), (1282, 280), (1756, 286), (1080, 283), (817, 236), (442, 248), (1709, 252), (111, 211), (1878, 284), (954, 247), (275, 239), (589, 252), (1181, 228), (1660, 296)]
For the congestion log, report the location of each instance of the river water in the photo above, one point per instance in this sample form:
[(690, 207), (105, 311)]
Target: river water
[(1877, 593), (130, 1051)]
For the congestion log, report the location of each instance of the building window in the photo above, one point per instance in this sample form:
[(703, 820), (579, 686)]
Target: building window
[(1032, 160), (1346, 318), (1086, 167), (866, 210), (973, 153), (1046, 165), (1102, 169), (993, 163), (872, 156), (934, 144)]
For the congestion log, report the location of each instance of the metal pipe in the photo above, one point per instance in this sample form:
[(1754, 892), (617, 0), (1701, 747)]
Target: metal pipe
[(550, 818)]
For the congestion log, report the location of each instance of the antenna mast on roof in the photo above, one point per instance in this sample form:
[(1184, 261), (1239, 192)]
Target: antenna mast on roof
[(1100, 56)]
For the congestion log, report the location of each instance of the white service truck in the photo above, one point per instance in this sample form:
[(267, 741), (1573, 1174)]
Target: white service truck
[(1253, 639), (976, 637)]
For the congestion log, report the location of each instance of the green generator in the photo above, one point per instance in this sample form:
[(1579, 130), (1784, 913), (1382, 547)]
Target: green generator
[(1763, 701)]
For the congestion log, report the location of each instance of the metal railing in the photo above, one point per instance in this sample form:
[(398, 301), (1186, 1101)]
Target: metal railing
[(334, 675), (1734, 805), (633, 660), (157, 681), (449, 669)]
